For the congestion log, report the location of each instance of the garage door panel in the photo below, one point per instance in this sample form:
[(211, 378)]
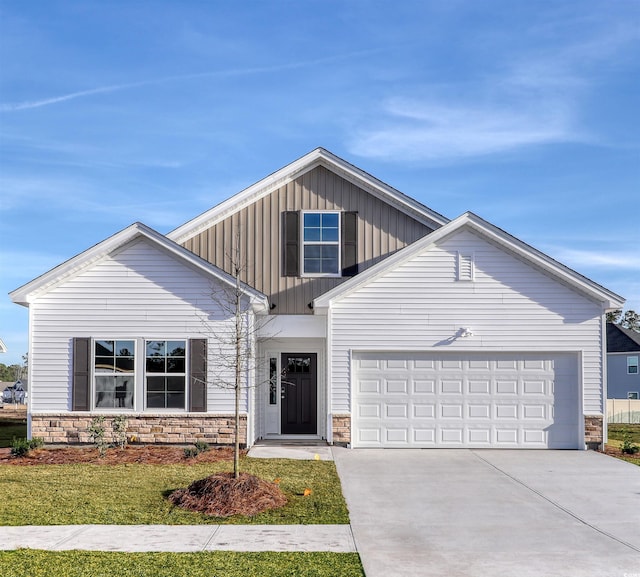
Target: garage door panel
[(474, 400)]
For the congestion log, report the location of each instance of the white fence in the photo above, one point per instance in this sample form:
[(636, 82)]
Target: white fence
[(623, 411)]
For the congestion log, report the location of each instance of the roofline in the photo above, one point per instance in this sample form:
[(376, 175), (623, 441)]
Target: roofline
[(40, 285), (311, 160), (3, 347), (632, 335), (595, 291)]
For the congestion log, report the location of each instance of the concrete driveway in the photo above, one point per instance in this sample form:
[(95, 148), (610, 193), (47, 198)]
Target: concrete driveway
[(492, 513)]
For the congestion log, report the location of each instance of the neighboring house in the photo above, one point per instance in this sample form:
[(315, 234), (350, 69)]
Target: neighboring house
[(392, 326), (623, 354)]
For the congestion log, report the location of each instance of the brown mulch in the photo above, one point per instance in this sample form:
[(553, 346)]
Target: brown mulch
[(148, 454), (221, 495)]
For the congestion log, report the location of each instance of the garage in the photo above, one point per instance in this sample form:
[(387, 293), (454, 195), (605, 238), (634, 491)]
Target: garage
[(472, 400)]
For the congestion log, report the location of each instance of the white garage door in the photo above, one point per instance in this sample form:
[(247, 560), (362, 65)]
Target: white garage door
[(466, 400)]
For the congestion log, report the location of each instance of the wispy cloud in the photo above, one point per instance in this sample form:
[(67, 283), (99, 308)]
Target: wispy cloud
[(531, 98), (598, 259), (423, 130), (29, 104)]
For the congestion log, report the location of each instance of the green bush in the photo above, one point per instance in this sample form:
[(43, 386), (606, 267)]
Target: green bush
[(21, 447), (628, 446)]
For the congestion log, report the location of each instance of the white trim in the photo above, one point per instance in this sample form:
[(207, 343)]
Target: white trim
[(315, 158), (337, 243), (27, 293), (476, 224)]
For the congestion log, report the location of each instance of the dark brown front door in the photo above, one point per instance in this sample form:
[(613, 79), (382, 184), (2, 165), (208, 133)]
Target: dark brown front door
[(298, 394)]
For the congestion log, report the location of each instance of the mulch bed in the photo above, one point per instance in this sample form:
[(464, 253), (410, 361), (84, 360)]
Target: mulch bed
[(221, 495), (148, 454)]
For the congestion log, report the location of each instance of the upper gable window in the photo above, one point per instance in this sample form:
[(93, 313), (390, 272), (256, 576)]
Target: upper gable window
[(321, 243), (632, 365)]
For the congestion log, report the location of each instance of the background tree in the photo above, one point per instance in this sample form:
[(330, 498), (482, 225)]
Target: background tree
[(627, 320)]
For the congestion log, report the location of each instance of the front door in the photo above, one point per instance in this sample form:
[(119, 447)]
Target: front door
[(298, 394)]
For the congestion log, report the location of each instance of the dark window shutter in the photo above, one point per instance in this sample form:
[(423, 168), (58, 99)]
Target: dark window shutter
[(198, 375), (80, 393), (291, 243), (349, 243)]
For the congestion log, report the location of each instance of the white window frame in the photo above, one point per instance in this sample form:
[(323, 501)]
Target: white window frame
[(146, 374), (632, 361), (304, 243), (94, 374)]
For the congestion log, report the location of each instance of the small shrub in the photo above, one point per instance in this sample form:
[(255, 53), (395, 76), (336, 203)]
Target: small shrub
[(628, 446), (97, 435), (190, 452), (21, 447), (202, 447), (120, 424), (199, 447)]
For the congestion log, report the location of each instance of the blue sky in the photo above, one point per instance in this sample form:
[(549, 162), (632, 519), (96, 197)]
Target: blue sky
[(525, 112)]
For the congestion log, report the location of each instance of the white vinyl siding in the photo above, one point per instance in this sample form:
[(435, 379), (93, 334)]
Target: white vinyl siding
[(138, 292), (510, 306)]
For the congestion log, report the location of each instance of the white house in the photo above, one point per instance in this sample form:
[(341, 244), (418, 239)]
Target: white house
[(390, 326)]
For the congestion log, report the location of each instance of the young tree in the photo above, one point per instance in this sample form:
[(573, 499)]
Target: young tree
[(235, 341)]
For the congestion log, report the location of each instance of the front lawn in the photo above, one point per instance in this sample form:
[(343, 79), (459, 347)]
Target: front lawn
[(135, 494), (32, 563), (617, 433)]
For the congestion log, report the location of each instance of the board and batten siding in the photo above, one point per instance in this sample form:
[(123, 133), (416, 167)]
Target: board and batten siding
[(510, 306), (382, 230), (137, 292)]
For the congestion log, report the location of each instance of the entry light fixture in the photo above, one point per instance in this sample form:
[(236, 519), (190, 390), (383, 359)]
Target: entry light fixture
[(466, 332)]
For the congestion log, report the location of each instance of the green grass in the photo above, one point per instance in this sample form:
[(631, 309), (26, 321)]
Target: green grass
[(33, 563), (617, 431), (10, 428), (136, 494)]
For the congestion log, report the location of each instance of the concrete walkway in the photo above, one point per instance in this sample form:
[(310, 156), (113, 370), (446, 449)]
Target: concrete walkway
[(493, 513), (180, 538)]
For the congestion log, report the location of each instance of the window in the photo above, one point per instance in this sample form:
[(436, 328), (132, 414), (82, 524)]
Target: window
[(634, 396), (632, 365), (114, 374), (166, 374), (273, 381), (321, 243)]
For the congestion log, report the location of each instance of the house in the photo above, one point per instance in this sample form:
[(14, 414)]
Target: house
[(623, 353), (389, 326)]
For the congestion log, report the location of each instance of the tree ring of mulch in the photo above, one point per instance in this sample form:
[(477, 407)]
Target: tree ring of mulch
[(222, 495)]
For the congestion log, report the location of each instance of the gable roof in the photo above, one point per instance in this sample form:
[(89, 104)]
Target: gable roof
[(621, 340), (315, 158), (494, 234), (42, 284)]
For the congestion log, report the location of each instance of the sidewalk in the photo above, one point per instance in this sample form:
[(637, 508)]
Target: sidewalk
[(180, 538)]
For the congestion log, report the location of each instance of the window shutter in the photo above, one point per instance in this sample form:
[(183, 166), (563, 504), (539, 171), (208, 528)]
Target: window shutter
[(80, 393), (291, 243), (198, 375), (349, 243)]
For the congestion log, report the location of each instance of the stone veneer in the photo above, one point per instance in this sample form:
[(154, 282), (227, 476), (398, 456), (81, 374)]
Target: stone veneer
[(341, 429), (162, 429), (593, 431)]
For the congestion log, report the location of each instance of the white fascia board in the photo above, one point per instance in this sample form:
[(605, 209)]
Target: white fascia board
[(484, 228), (315, 158), (3, 347), (40, 285)]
